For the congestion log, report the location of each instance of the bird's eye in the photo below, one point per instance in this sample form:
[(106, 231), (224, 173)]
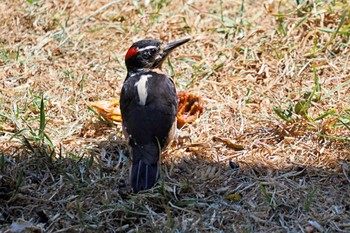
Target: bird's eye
[(149, 53)]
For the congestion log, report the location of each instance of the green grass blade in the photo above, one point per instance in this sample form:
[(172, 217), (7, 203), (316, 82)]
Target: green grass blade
[(309, 199), (18, 133), (19, 180), (279, 113), (345, 124), (28, 145), (42, 118), (336, 89), (333, 137), (329, 112), (342, 20), (2, 163), (172, 72), (48, 138)]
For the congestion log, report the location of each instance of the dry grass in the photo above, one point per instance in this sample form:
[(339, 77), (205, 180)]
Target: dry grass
[(62, 169)]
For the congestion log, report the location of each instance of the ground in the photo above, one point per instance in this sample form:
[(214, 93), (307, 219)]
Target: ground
[(270, 153)]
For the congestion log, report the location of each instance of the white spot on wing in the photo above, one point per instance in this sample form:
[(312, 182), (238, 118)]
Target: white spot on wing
[(142, 88)]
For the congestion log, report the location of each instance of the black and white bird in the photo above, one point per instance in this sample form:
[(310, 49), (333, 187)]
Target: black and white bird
[(148, 105)]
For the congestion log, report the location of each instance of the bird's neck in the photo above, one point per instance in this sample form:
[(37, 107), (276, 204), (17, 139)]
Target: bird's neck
[(132, 73)]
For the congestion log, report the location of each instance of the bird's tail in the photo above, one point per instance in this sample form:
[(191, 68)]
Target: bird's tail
[(144, 170)]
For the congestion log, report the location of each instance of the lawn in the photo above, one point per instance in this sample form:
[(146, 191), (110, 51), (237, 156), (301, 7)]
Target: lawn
[(270, 153)]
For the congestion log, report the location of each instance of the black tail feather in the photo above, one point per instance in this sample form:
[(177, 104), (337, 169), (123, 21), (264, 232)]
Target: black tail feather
[(143, 176), (144, 170)]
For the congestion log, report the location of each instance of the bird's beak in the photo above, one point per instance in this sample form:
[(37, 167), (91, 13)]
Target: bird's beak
[(172, 45), (167, 49)]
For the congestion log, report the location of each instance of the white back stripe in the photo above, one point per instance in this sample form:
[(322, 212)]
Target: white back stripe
[(142, 88)]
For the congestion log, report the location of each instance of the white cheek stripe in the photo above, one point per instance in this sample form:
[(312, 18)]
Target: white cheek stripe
[(146, 48), (142, 88)]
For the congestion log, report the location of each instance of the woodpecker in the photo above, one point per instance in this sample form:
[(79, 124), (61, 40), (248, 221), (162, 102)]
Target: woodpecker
[(148, 105)]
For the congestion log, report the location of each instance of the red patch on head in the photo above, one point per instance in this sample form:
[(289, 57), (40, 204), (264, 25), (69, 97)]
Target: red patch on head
[(131, 52)]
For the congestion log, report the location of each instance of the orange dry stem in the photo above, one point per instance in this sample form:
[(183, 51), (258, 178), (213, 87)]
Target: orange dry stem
[(109, 109), (190, 108)]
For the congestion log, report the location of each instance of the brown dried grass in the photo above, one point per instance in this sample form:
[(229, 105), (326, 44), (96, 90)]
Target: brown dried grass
[(292, 176)]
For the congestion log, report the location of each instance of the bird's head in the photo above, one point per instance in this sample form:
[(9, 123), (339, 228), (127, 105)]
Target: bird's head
[(149, 54)]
